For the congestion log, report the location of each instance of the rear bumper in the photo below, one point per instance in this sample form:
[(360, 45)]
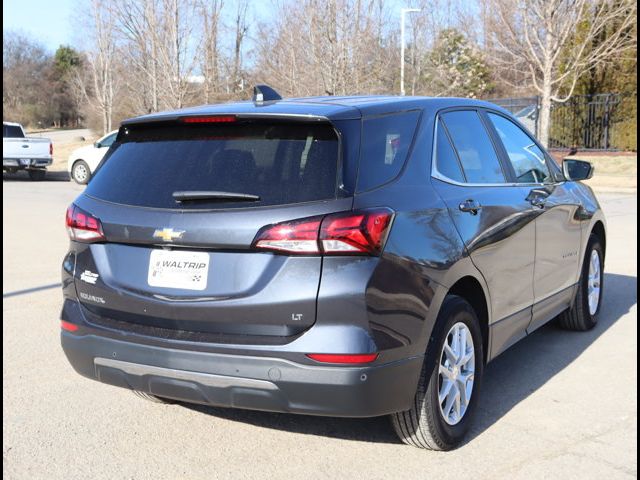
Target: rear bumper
[(248, 382), (21, 163)]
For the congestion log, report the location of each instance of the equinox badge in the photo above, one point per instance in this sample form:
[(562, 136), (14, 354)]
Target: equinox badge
[(168, 234)]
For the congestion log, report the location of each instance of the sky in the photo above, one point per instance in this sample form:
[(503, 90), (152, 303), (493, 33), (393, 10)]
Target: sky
[(50, 22), (54, 22)]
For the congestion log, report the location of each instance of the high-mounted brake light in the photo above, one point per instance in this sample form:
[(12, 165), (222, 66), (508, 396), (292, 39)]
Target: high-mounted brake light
[(342, 358), (210, 119), (361, 232), (83, 226)]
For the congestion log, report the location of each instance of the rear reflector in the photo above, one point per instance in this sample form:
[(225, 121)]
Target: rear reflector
[(83, 226), (69, 327), (210, 119), (361, 232), (340, 358)]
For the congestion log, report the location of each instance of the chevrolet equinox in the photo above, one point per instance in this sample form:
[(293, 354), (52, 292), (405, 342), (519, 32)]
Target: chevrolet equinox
[(339, 256)]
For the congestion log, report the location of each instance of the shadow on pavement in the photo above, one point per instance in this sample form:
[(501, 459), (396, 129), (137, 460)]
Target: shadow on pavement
[(541, 355), (31, 290), (23, 176)]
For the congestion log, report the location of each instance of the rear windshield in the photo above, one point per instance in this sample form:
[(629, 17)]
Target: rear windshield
[(12, 131), (282, 163)]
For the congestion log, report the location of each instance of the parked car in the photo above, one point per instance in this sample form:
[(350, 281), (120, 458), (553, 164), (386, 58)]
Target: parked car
[(338, 256), (84, 160), (20, 152)]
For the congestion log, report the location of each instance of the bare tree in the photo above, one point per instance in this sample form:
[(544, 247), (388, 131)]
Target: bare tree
[(241, 29), (333, 47), (100, 83), (551, 42), (210, 11), (139, 27), (156, 35)]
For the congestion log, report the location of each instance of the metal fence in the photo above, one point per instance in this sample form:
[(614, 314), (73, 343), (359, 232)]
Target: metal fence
[(587, 122), (524, 109)]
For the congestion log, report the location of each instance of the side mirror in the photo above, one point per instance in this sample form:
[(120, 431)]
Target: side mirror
[(97, 145), (576, 170)]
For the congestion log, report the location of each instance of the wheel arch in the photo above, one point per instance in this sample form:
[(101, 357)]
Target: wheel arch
[(599, 230), (470, 288)]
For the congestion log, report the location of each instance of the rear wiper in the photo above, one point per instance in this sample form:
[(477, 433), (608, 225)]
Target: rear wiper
[(204, 195)]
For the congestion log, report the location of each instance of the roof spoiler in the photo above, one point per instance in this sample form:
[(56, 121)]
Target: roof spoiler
[(264, 93)]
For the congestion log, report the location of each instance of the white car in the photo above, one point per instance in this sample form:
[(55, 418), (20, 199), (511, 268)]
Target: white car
[(84, 160)]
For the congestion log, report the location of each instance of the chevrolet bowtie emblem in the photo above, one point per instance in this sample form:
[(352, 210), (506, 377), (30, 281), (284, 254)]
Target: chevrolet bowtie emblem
[(168, 234)]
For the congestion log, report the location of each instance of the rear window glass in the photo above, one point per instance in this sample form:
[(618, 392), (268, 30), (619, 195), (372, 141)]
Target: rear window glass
[(12, 131), (385, 145), (282, 163)]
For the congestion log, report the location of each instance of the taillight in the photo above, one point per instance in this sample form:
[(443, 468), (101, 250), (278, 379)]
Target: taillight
[(51, 148), (299, 236), (342, 358), (83, 226), (362, 232)]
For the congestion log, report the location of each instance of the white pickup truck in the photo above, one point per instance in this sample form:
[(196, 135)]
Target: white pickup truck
[(20, 152)]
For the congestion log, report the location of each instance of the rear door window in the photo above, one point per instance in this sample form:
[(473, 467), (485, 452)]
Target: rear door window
[(474, 147), (447, 162), (281, 162), (527, 159), (385, 144)]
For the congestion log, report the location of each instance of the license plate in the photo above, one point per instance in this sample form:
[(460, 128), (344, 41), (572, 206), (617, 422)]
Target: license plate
[(10, 163), (175, 269)]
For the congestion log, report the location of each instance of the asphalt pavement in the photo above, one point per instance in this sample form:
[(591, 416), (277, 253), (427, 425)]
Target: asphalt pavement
[(557, 405)]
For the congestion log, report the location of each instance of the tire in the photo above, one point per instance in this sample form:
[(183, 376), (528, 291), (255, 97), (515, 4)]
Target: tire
[(580, 316), (80, 172), (153, 398), (37, 174), (424, 425)]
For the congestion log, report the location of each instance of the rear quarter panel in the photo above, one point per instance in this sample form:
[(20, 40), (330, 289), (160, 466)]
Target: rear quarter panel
[(423, 257)]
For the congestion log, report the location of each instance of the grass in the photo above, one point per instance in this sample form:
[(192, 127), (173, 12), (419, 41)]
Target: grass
[(613, 172), (61, 152)]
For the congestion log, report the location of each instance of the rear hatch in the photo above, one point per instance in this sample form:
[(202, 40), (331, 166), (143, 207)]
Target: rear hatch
[(180, 203)]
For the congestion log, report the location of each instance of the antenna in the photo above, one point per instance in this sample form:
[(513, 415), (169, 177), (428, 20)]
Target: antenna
[(264, 93)]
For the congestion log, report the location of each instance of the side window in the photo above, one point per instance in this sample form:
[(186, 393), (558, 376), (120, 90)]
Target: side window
[(526, 157), (447, 161), (473, 144), (109, 140), (385, 145)]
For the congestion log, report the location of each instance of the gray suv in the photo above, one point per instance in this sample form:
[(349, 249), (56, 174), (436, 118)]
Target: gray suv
[(339, 256)]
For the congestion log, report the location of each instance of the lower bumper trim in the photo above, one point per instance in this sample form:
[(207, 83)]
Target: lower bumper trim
[(207, 379)]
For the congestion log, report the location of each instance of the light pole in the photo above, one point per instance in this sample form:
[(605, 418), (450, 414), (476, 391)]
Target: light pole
[(402, 13)]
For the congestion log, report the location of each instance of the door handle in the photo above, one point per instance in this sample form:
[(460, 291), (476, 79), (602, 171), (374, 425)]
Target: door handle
[(470, 206)]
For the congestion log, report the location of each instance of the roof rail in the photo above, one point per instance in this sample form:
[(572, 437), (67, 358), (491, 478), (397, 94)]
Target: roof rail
[(264, 93)]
